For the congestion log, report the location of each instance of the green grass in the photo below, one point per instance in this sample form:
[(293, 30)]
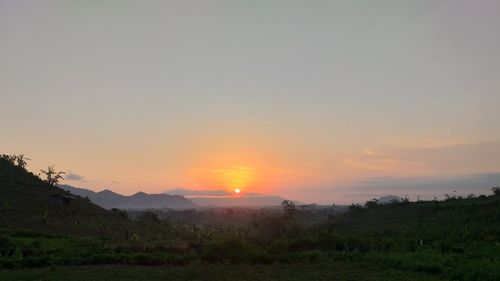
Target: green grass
[(354, 271)]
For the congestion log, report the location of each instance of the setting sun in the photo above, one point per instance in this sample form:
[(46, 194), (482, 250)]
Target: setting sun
[(235, 177)]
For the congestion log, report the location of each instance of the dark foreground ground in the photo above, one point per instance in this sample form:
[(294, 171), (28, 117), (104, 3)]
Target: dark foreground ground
[(341, 270)]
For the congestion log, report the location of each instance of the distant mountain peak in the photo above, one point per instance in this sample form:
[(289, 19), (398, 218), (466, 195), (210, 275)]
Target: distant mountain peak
[(107, 191), (140, 193)]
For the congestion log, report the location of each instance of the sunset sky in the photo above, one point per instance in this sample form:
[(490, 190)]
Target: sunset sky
[(319, 101)]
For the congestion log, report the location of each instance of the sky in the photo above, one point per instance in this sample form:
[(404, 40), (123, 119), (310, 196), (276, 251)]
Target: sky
[(318, 101)]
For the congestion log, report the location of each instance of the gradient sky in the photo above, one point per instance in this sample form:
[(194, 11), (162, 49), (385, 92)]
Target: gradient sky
[(320, 101)]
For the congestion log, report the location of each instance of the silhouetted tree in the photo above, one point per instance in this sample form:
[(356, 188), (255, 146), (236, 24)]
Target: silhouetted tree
[(10, 158), (288, 208), (21, 160), (372, 203), (53, 177), (148, 218), (43, 216), (331, 212), (330, 221), (354, 208), (121, 213), (496, 191), (103, 226)]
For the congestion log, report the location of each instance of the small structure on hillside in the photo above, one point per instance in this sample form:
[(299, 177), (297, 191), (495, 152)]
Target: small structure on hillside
[(61, 200)]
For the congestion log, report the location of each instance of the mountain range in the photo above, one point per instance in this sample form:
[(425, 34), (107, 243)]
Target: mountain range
[(109, 199), (177, 198)]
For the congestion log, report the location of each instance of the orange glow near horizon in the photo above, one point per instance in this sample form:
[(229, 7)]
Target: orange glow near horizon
[(235, 178)]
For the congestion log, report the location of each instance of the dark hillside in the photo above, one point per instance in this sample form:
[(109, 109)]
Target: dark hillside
[(28, 203)]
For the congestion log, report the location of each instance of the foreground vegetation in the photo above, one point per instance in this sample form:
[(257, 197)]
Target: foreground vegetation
[(340, 270), (454, 239)]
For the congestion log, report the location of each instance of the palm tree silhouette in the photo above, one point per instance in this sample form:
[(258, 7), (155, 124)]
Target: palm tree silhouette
[(53, 177), (21, 160)]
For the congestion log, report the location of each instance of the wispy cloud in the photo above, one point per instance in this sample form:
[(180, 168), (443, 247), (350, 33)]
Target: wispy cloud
[(473, 183), (370, 159), (74, 177), (450, 158), (369, 152)]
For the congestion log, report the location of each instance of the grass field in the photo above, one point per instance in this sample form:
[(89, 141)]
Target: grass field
[(341, 270)]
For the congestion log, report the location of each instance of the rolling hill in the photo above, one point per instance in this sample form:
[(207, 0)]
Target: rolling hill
[(28, 203)]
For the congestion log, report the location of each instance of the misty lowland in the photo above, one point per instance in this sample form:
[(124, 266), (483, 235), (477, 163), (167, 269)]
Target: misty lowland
[(50, 231)]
